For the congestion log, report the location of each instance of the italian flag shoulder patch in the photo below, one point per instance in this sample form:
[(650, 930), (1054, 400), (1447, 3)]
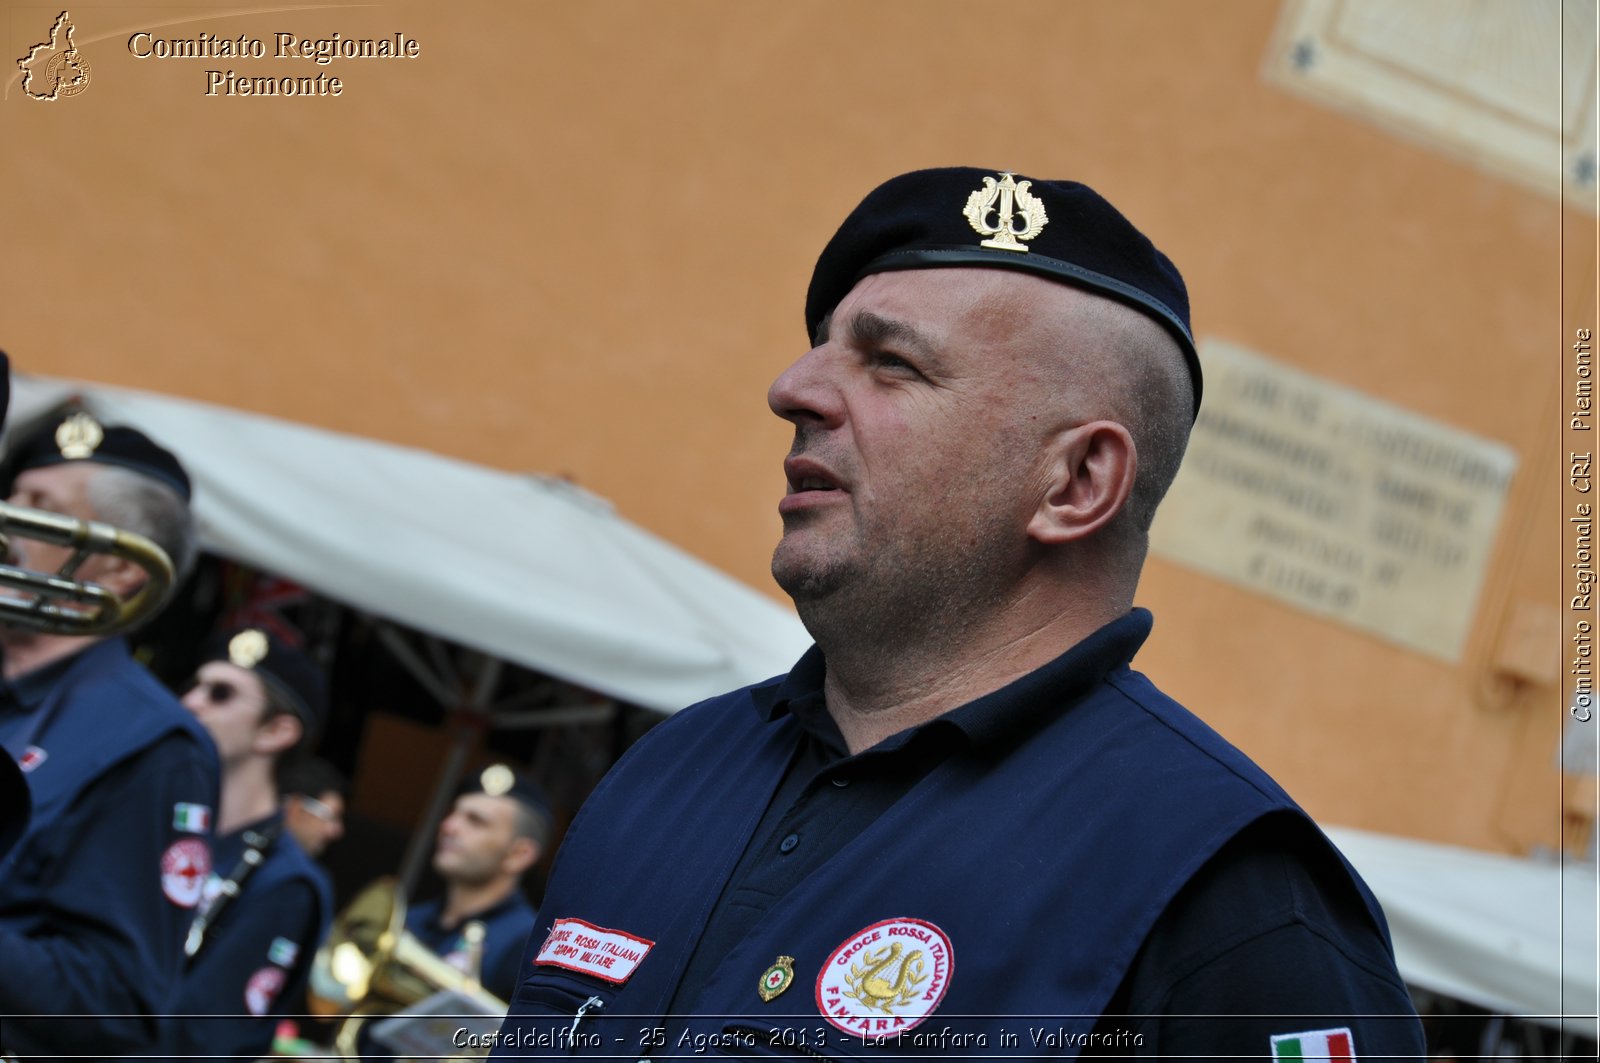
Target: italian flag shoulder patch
[(1312, 1045), (196, 819)]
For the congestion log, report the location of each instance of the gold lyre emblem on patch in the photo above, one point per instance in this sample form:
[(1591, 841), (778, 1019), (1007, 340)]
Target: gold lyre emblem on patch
[(775, 979), (883, 980), (79, 435), (1018, 214), (247, 649)]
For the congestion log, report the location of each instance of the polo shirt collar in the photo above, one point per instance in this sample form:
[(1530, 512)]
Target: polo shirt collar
[(987, 721), (505, 904), (30, 689)]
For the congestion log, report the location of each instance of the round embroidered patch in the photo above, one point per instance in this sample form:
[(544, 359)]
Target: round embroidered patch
[(263, 988), (184, 867), (886, 978)]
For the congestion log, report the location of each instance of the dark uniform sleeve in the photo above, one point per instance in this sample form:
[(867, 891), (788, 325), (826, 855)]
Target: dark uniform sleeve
[(1269, 943), (502, 961), (240, 976), (106, 943)]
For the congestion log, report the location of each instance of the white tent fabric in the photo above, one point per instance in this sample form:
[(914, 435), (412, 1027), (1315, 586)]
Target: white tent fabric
[(1513, 936), (525, 568)]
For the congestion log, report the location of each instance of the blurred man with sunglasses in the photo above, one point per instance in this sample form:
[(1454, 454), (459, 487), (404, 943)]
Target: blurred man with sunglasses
[(97, 895), (266, 904), (313, 803)]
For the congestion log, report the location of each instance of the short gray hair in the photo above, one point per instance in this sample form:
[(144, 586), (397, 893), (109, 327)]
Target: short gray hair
[(533, 823), (136, 503), (1134, 373)]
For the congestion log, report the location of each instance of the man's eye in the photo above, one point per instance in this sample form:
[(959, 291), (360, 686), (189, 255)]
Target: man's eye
[(885, 360)]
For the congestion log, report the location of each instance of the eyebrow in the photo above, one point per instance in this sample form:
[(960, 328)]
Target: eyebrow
[(868, 329)]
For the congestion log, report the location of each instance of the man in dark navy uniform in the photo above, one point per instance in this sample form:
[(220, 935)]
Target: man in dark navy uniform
[(15, 804), (96, 897), (266, 905), (495, 833), (962, 824)]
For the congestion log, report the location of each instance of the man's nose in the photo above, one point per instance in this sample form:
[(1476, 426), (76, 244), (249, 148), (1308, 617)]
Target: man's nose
[(806, 392)]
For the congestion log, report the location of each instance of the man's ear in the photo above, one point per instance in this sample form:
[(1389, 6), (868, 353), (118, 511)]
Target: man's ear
[(1089, 472), (279, 734), (522, 854), (116, 574)]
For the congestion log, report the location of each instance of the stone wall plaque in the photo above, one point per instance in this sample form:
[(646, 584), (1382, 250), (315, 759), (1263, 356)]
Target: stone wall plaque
[(1511, 86), (1335, 502)]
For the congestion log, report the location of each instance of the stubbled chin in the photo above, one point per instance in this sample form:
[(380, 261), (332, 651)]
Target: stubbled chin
[(800, 566)]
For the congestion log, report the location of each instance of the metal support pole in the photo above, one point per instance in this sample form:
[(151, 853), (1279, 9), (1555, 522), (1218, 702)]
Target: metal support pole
[(471, 718)]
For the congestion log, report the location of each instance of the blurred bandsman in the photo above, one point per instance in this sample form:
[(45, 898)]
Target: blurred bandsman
[(266, 904), (495, 833), (313, 802), (14, 802), (97, 896)]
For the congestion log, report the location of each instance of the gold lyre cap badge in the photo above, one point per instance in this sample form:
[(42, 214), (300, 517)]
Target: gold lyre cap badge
[(497, 779), (1006, 212), (776, 979), (248, 648), (79, 435)]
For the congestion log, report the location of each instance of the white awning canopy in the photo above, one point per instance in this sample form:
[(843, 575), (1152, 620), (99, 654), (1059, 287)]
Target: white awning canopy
[(1512, 936), (523, 567)]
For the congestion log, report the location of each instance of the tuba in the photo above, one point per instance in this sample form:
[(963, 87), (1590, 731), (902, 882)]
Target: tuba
[(370, 966), (59, 602)]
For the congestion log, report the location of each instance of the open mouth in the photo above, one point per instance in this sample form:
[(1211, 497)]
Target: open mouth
[(812, 483), (807, 476)]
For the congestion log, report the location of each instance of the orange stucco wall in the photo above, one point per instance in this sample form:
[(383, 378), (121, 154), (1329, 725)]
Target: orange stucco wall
[(575, 238)]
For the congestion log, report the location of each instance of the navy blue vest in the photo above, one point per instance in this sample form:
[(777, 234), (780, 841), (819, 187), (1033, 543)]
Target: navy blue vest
[(505, 926), (256, 955), (97, 895), (105, 709), (1023, 882)]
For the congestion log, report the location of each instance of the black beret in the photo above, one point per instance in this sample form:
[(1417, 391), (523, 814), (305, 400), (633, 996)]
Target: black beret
[(281, 667), (960, 216), (500, 780), (79, 437)]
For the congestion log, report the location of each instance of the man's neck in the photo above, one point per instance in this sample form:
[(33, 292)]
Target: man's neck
[(28, 651), (248, 795), (877, 687), (463, 901)]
